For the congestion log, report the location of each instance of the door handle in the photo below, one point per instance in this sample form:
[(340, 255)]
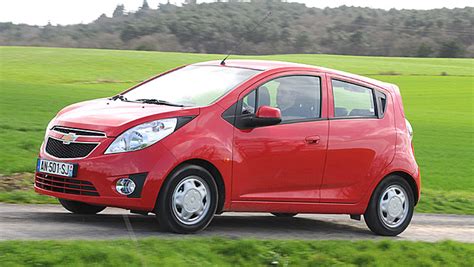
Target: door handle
[(312, 140)]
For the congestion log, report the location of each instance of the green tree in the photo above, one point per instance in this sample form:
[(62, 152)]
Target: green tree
[(450, 49), (119, 11), (293, 27), (145, 6), (424, 50), (302, 42), (129, 33), (102, 17)]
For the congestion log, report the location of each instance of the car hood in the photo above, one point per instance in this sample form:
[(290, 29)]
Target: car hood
[(115, 116)]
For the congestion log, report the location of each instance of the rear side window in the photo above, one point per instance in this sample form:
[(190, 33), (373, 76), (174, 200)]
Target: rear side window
[(352, 100)]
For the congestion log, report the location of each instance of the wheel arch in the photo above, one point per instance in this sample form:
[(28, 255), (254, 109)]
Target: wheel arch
[(211, 169), (410, 180)]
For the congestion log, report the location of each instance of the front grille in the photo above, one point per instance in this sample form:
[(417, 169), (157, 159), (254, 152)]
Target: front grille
[(57, 149), (77, 131), (65, 185)]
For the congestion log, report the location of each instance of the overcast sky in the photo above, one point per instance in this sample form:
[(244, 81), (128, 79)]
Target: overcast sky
[(39, 12)]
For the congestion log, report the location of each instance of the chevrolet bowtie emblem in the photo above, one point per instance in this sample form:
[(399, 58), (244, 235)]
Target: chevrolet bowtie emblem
[(68, 138)]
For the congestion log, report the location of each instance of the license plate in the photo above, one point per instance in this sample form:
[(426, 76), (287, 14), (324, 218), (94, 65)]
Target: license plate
[(57, 168)]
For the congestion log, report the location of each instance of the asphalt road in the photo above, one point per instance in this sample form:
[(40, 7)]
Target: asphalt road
[(53, 222)]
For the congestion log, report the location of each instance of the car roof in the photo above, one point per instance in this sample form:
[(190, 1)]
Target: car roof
[(254, 64), (265, 65)]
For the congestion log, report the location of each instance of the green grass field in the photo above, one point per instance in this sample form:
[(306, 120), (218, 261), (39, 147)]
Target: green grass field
[(227, 252), (35, 83)]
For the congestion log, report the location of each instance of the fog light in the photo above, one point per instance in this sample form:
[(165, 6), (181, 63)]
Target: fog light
[(125, 186)]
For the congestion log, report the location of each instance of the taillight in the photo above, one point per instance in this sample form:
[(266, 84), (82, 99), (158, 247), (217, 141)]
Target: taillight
[(410, 134), (409, 129)]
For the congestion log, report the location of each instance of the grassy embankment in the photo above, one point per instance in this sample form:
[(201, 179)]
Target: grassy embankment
[(35, 83)]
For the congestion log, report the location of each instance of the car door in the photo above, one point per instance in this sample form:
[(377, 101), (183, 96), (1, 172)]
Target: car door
[(361, 138), (282, 162)]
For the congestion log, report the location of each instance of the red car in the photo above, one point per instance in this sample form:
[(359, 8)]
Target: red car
[(255, 136)]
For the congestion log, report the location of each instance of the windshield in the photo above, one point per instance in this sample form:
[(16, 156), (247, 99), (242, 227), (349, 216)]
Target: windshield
[(191, 85)]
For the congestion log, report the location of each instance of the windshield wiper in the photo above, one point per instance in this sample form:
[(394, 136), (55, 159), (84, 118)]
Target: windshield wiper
[(158, 102), (119, 97)]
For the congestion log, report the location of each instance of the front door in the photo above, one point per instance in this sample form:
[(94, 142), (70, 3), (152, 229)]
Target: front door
[(283, 162)]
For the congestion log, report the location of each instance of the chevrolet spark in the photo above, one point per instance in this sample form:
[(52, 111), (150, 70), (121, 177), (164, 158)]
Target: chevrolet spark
[(246, 136)]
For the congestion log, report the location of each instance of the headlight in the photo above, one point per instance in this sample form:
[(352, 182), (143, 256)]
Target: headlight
[(142, 136)]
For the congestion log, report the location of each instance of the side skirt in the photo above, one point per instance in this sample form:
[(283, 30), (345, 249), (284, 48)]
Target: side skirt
[(298, 207)]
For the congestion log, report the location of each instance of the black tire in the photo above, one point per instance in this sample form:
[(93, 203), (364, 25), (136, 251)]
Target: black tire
[(374, 217), (284, 215), (80, 207), (169, 217)]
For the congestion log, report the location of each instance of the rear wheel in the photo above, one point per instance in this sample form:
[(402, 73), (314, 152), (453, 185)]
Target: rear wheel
[(80, 207), (188, 200), (284, 215), (391, 207)]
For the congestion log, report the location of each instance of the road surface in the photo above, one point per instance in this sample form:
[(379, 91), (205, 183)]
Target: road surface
[(27, 222)]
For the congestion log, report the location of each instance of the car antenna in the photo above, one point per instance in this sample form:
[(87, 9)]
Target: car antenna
[(242, 38)]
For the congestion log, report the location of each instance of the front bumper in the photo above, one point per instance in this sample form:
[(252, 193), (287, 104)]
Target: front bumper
[(98, 173)]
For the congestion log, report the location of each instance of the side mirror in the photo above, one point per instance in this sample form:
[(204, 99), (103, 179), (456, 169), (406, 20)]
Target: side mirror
[(269, 113), (265, 116)]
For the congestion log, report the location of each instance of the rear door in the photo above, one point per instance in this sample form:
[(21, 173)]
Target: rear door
[(361, 138), (283, 162)]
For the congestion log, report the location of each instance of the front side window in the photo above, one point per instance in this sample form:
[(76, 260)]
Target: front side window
[(352, 100), (192, 85), (297, 97), (249, 103)]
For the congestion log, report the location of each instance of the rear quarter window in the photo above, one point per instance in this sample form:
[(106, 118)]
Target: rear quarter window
[(351, 100)]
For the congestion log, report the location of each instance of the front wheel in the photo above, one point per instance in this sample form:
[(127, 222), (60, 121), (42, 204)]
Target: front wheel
[(391, 207), (80, 207), (188, 200)]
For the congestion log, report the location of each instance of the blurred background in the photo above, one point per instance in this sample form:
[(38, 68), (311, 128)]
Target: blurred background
[(415, 29)]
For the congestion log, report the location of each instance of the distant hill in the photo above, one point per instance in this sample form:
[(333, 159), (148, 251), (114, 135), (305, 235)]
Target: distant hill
[(292, 28)]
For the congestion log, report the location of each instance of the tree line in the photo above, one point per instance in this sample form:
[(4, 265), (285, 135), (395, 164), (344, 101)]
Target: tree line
[(292, 28)]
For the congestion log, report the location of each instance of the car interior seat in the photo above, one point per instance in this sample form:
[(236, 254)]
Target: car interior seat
[(263, 96), (361, 112), (340, 112)]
